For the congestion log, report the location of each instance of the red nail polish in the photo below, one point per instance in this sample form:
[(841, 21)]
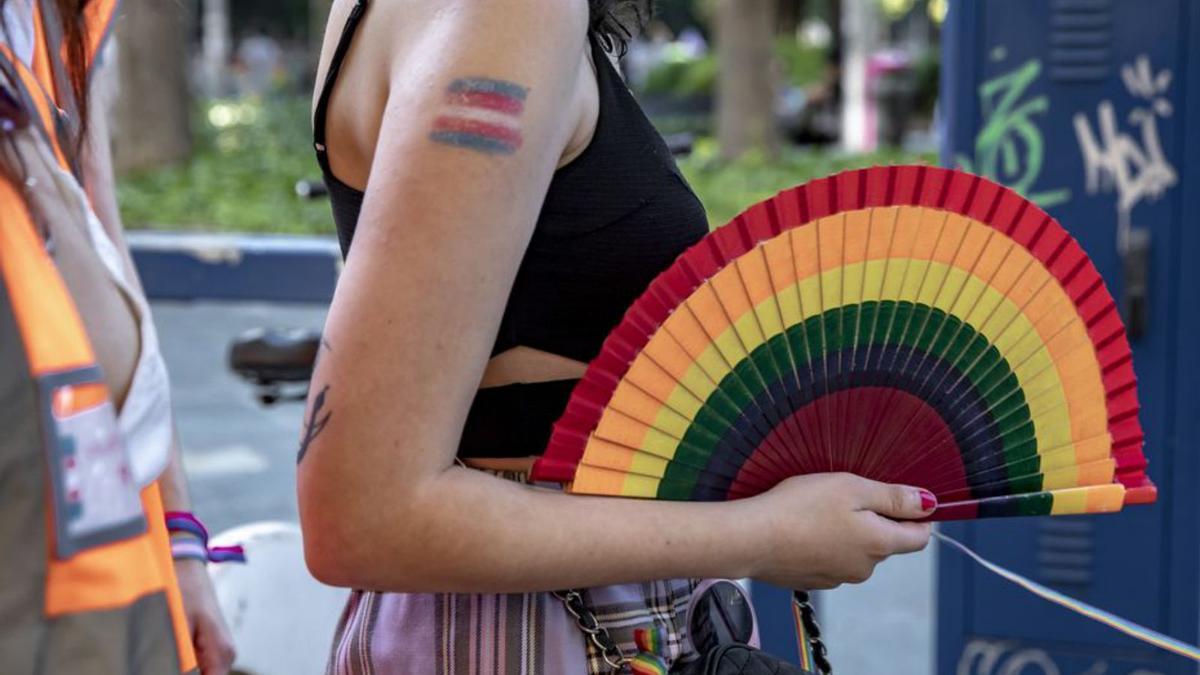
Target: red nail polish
[(928, 501)]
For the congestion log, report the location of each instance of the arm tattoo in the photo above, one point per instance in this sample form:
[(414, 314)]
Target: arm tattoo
[(315, 424), (318, 417), (481, 114)]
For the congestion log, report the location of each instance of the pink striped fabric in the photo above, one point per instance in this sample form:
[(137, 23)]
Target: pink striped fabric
[(516, 634)]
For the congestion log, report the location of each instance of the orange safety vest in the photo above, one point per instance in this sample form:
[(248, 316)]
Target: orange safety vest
[(47, 73), (87, 583)]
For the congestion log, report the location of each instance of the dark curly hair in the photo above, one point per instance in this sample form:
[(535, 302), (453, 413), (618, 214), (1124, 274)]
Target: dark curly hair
[(618, 21)]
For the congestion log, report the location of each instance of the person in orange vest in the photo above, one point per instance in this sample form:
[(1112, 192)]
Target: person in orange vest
[(95, 579)]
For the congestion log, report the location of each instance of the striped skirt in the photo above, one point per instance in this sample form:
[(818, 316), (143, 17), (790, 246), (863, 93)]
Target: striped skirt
[(513, 634), (517, 634)]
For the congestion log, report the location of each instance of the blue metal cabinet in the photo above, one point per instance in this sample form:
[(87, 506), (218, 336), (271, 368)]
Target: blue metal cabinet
[(1092, 108)]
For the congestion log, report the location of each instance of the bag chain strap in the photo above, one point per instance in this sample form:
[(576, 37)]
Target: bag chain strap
[(808, 615), (614, 657), (591, 627)]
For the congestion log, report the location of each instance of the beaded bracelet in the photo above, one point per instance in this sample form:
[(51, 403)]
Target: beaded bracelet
[(189, 541)]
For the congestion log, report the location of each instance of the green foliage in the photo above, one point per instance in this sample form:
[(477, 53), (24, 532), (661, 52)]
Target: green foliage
[(727, 188), (895, 10), (249, 155), (926, 76), (683, 77), (680, 14), (803, 64), (276, 17)]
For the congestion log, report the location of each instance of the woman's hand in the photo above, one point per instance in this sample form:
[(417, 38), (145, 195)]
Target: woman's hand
[(210, 635), (829, 529)]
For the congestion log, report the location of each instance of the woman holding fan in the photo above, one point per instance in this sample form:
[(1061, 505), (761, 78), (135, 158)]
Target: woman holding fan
[(502, 200)]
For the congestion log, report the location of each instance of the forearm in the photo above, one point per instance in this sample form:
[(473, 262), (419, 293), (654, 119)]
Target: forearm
[(99, 176), (467, 531), (173, 482)]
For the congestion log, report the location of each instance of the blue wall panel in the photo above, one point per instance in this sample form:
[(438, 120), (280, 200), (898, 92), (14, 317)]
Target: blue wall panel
[(1092, 108)]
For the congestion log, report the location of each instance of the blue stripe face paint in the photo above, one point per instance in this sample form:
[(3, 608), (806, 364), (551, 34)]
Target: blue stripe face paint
[(488, 86), (475, 142)]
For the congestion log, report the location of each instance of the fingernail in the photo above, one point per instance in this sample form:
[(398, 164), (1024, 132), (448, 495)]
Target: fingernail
[(928, 501)]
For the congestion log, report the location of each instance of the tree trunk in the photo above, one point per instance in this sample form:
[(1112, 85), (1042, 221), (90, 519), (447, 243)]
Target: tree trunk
[(217, 44), (154, 106), (745, 30), (791, 12), (860, 34), (835, 31)]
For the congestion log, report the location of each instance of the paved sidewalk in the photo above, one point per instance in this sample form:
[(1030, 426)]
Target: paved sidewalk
[(240, 456)]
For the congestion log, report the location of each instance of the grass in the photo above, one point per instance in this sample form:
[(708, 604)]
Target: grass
[(727, 188), (248, 156), (250, 153)]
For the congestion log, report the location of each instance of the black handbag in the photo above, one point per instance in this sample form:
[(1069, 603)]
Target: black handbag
[(738, 659), (719, 632)]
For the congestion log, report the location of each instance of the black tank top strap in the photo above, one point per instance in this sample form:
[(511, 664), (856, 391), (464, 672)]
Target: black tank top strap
[(331, 75)]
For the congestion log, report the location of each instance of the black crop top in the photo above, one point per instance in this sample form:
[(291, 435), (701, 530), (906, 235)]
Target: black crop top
[(612, 219)]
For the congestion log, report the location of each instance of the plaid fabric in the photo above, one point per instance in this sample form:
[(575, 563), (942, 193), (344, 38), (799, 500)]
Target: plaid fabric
[(514, 634), (623, 609)]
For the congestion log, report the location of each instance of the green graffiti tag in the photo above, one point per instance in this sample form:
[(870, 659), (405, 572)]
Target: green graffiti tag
[(1009, 148)]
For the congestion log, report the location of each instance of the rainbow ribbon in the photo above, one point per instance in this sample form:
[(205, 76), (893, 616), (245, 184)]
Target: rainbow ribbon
[(189, 541), (1109, 619), (647, 664), (647, 661), (803, 643)]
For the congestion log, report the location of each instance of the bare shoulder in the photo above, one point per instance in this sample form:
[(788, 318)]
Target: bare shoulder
[(549, 29), (403, 48), (411, 24)]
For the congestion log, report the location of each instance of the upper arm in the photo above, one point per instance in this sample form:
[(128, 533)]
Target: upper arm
[(478, 114)]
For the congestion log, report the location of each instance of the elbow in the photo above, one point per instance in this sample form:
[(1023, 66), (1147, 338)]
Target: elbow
[(333, 530), (330, 551), (349, 544), (330, 554), (328, 565), (337, 557)]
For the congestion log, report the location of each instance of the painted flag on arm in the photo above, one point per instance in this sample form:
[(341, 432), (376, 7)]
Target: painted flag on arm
[(481, 114)]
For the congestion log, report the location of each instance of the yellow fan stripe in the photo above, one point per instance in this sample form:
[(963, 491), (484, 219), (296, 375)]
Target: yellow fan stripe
[(1100, 472), (1089, 499), (593, 480)]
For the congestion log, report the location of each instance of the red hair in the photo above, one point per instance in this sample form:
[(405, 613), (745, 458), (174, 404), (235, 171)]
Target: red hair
[(75, 51)]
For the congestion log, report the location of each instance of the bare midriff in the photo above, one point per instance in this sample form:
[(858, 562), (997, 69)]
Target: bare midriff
[(514, 464), (526, 365)]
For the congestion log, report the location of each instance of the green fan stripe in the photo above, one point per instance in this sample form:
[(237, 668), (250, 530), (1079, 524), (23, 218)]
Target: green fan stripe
[(888, 323)]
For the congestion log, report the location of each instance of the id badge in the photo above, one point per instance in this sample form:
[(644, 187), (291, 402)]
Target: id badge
[(96, 499)]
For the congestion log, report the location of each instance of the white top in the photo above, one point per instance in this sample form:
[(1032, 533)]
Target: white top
[(145, 419)]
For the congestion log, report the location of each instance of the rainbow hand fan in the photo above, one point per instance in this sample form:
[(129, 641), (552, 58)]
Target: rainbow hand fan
[(908, 324)]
